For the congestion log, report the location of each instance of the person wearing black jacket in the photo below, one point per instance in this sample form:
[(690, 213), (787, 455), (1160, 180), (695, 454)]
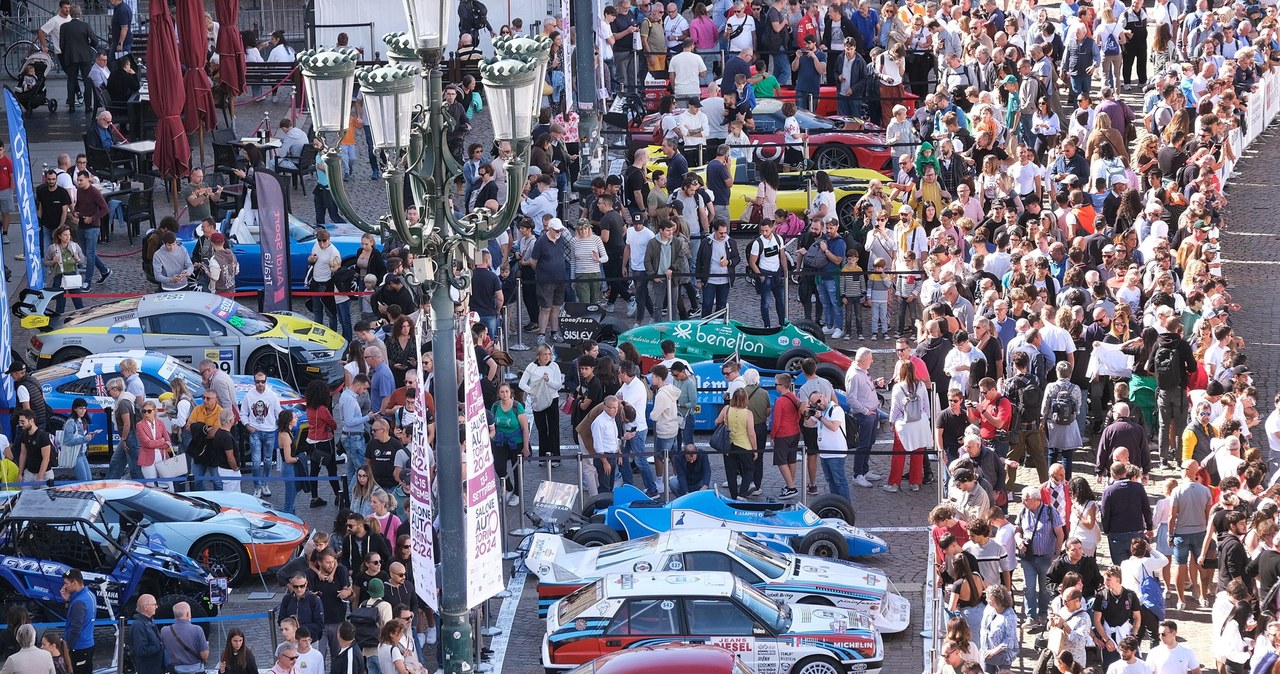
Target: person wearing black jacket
[(1266, 568), (359, 541), (1126, 512), (718, 254), (302, 605), (349, 659), (1027, 437), (1074, 560), (1233, 561), (1172, 362), (836, 42), (144, 638), (1124, 431)]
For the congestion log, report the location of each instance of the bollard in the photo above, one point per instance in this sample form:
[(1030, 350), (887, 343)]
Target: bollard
[(481, 665), (582, 490), (512, 554), (117, 656), (271, 629), (671, 304)]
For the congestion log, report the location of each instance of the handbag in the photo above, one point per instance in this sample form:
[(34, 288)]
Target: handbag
[(569, 404), (72, 281), (720, 439), (67, 454), (754, 214), (173, 466)]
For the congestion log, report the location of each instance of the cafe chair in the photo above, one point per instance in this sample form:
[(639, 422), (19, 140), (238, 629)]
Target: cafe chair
[(226, 155), (141, 207), (106, 165), (306, 166)]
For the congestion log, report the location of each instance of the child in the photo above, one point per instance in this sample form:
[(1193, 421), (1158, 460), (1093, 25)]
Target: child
[(29, 79), (763, 83), (907, 287), (854, 292), (370, 285), (1004, 533), (880, 288)]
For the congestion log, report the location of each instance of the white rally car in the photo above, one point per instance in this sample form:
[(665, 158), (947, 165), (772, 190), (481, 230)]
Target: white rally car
[(563, 566), (634, 610)]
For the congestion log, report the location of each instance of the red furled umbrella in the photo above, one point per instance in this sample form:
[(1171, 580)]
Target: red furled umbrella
[(200, 111), (230, 46), (164, 80)]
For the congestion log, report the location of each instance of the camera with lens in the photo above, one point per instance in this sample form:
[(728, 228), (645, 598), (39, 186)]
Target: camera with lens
[(810, 412)]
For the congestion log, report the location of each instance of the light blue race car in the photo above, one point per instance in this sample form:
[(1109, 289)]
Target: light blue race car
[(824, 528), (712, 386)]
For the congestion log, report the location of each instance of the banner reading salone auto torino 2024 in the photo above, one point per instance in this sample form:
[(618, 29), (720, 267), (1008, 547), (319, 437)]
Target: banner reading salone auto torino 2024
[(421, 509), (484, 531)]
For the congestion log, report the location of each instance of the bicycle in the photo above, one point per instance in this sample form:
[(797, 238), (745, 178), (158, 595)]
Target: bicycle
[(19, 30)]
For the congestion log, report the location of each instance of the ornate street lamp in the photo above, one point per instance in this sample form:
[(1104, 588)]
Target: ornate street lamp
[(404, 101)]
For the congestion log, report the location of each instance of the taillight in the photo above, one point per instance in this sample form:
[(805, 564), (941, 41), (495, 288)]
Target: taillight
[(37, 344)]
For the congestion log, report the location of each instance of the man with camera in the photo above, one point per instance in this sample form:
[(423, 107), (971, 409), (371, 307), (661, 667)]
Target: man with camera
[(993, 413), (832, 446)]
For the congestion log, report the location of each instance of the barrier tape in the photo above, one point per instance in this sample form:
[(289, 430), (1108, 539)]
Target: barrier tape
[(103, 622)]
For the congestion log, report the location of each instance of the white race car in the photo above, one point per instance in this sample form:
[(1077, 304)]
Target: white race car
[(635, 610), (563, 566)]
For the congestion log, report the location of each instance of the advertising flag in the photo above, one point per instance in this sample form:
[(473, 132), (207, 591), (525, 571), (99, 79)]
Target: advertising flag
[(25, 197), (421, 508), (273, 230), (483, 527)]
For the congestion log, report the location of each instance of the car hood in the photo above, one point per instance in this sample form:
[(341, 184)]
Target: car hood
[(876, 544), (812, 619), (871, 582), (297, 328), (251, 512), (152, 550)]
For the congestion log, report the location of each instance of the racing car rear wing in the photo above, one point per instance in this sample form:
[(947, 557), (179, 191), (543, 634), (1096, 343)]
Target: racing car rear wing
[(33, 308)]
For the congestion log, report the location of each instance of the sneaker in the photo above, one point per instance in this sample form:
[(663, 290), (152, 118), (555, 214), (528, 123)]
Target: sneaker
[(914, 487), (555, 464), (788, 492), (275, 98), (5, 239), (724, 485), (695, 312), (872, 475), (266, 491), (431, 635), (555, 337), (891, 488), (837, 333), (542, 339), (861, 338), (631, 309), (530, 327), (105, 275), (19, 257), (861, 481), (826, 329), (609, 306), (318, 502), (257, 492), (754, 491), (930, 478), (513, 499)]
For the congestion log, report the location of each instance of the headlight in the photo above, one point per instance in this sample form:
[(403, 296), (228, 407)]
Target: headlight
[(876, 148), (320, 355), (272, 534)]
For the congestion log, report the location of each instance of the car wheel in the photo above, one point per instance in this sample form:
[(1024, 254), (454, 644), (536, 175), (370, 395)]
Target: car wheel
[(817, 664), (832, 506), (267, 361), (597, 504), (791, 359), (222, 557), (69, 353), (610, 351), (845, 209), (596, 535), (826, 543), (810, 328), (833, 375), (164, 608), (829, 157)]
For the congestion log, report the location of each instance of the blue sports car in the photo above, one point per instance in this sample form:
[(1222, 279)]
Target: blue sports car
[(824, 528), (87, 378), (242, 237)]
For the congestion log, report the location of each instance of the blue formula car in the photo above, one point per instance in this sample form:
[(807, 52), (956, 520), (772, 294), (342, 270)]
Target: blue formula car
[(712, 386), (87, 378), (824, 528), (242, 238)]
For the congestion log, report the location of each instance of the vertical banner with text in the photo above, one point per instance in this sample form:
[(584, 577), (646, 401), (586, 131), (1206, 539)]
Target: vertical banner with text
[(421, 508), (273, 231), (24, 193), (484, 530)]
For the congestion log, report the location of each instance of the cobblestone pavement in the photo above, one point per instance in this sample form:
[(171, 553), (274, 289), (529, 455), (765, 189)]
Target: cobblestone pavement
[(1250, 249)]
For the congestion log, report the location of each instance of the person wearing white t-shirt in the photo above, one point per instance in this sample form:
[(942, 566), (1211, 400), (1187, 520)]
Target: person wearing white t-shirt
[(740, 28), (1171, 657), (687, 69), (694, 127), (1027, 175), (833, 447), (633, 251), (322, 276), (310, 661)]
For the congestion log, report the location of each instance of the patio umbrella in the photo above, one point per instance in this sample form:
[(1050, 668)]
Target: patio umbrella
[(200, 113), (230, 47), (164, 79)]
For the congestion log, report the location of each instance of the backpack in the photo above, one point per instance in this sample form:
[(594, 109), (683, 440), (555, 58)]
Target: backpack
[(915, 406), (365, 620), (1167, 374), (1030, 395), (1062, 406), (1111, 47)]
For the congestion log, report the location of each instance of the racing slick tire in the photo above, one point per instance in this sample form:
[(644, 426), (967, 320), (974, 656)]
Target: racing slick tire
[(846, 208), (832, 374), (164, 608), (811, 328), (832, 506), (597, 503), (221, 556), (269, 362), (824, 542), (790, 359), (596, 535), (69, 353), (817, 664)]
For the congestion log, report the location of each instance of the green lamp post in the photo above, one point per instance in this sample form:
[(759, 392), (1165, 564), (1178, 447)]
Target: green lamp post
[(404, 100)]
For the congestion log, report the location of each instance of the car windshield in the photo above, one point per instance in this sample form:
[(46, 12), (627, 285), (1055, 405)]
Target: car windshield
[(161, 506), (776, 616), (300, 231), (625, 552), (248, 321), (809, 121), (758, 557), (82, 316), (579, 600)]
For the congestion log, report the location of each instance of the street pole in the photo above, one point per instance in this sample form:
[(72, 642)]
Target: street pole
[(591, 147)]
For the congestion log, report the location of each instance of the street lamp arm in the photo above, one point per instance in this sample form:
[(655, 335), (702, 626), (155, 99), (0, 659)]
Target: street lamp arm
[(483, 224), (338, 190)]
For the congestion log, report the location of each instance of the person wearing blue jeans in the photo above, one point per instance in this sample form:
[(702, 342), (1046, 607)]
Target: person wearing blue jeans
[(766, 261), (833, 246), (125, 417), (89, 244), (259, 411), (262, 446), (631, 452), (1039, 535), (833, 447)]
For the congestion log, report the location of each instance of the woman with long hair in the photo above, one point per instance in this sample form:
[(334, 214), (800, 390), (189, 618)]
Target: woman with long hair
[(237, 657), (740, 459), (363, 492), (1084, 515), (382, 519), (402, 349), (909, 414), (293, 460), (1145, 562), (823, 207), (64, 259), (960, 637), (766, 200), (179, 411), (15, 616), (966, 592), (541, 382), (76, 436), (511, 441), (320, 440), (1163, 48), (56, 647), (390, 656)]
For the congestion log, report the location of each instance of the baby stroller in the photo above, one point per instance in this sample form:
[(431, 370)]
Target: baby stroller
[(30, 93)]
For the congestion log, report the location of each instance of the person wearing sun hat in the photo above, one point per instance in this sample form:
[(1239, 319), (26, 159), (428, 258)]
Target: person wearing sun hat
[(373, 601)]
